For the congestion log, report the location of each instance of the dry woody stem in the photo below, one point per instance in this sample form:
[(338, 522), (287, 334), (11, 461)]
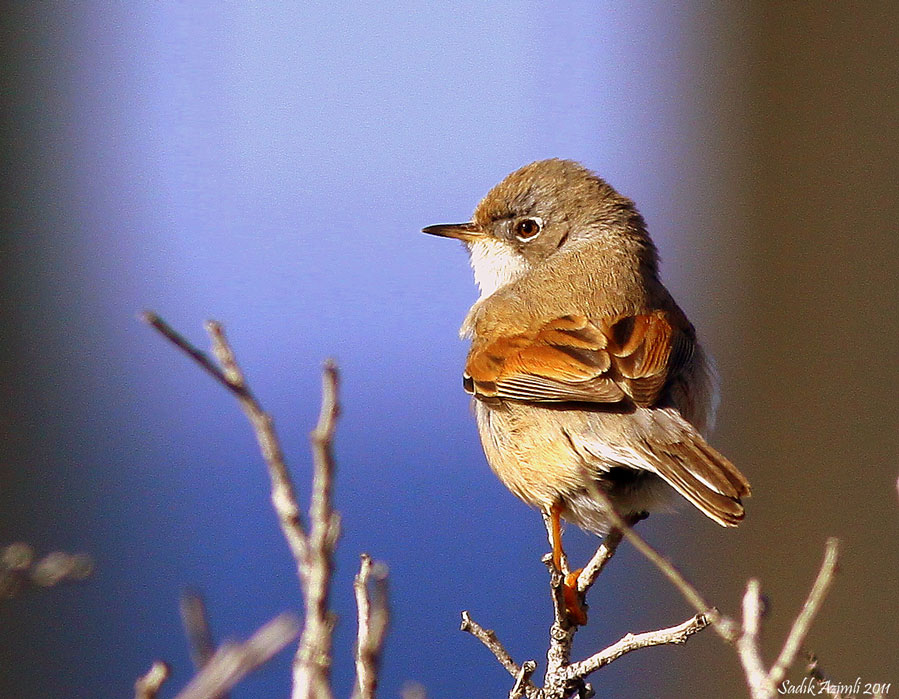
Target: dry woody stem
[(21, 570), (370, 587), (762, 683), (491, 642), (312, 547), (147, 686), (196, 628), (234, 661), (564, 678), (313, 553)]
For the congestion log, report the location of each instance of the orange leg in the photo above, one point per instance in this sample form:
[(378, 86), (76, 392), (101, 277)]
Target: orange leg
[(555, 513), (573, 607)]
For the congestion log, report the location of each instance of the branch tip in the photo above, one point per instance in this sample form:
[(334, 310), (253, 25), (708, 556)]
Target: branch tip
[(148, 685)]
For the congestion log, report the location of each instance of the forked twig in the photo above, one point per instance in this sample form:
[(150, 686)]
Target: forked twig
[(370, 587), (312, 550), (762, 683), (631, 642), (564, 677), (234, 661)]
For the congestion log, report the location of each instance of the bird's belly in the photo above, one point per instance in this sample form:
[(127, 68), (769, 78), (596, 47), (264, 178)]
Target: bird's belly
[(528, 452), (531, 450)]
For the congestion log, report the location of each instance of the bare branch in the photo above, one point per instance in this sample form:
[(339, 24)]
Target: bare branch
[(803, 622), (148, 685), (563, 678), (757, 678), (312, 665), (312, 549), (196, 627), (284, 497), (597, 564), (561, 639), (825, 686), (374, 616), (604, 553), (493, 644), (672, 635), (234, 661), (725, 627), (565, 631), (523, 680), (197, 355), (19, 569), (762, 683), (313, 552)]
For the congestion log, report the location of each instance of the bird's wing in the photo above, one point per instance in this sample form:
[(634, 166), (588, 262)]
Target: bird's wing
[(574, 358)]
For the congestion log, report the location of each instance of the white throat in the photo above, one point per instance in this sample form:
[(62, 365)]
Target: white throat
[(495, 264)]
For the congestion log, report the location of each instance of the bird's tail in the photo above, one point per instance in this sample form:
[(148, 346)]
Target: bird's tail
[(698, 472)]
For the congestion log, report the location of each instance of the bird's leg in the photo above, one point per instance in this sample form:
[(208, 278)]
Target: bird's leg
[(555, 536), (574, 606)]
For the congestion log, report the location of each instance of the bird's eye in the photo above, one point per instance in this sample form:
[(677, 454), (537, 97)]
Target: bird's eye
[(528, 229)]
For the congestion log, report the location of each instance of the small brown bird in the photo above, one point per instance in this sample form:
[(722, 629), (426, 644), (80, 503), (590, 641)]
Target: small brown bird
[(582, 366)]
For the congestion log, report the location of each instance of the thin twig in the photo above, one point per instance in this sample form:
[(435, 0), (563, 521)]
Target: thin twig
[(374, 616), (283, 495), (312, 552), (312, 665), (600, 559), (195, 621), (757, 678), (522, 680), (234, 661), (725, 627), (825, 686), (810, 609), (604, 553), (489, 639), (762, 684), (147, 686), (197, 355), (492, 643), (562, 677), (672, 635)]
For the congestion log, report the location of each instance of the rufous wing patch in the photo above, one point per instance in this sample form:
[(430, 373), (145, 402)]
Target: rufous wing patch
[(573, 358)]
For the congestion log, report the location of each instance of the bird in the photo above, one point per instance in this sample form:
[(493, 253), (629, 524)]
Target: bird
[(585, 373)]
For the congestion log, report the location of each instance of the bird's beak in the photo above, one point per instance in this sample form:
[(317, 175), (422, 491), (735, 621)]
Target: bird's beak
[(466, 232)]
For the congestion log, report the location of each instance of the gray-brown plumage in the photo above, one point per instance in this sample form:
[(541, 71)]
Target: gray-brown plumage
[(581, 363)]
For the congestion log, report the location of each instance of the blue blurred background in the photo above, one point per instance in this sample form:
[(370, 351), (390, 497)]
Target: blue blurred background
[(270, 165)]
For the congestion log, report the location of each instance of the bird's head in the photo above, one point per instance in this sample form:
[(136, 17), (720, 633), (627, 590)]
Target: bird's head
[(533, 214)]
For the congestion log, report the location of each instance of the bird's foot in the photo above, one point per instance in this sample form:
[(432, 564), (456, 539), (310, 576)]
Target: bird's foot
[(574, 605)]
